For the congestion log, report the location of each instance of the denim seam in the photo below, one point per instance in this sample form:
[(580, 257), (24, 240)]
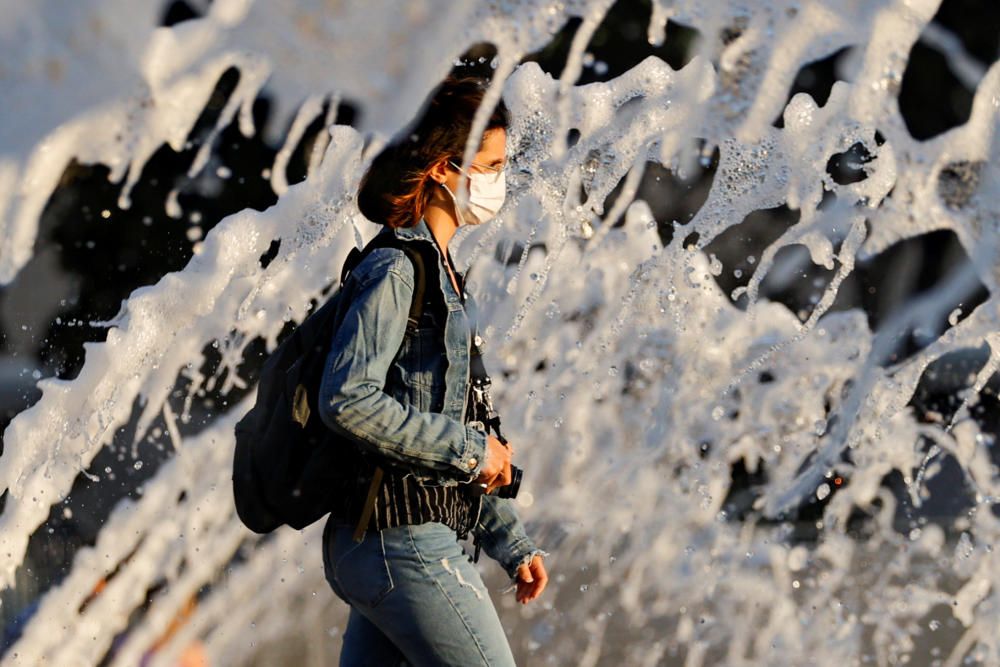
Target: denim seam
[(388, 571), (394, 268), (361, 433), (458, 612), (406, 281), (341, 560), (515, 553), (494, 546), (470, 443), (396, 260), (381, 595), (484, 534), (517, 545)]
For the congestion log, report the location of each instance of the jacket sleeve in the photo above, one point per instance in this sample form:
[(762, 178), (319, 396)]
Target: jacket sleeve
[(351, 396), (503, 536)]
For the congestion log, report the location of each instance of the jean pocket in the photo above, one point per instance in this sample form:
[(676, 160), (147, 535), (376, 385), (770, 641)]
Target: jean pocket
[(432, 541), (361, 569)]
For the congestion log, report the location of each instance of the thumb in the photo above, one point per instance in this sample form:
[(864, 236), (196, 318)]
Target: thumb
[(524, 573)]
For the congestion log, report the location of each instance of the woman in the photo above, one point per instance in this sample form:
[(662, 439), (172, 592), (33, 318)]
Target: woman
[(414, 592)]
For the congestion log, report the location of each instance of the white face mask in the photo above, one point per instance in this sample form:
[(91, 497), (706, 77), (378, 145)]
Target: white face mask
[(486, 196)]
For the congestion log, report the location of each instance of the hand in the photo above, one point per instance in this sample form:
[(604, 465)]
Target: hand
[(531, 580), (496, 471)]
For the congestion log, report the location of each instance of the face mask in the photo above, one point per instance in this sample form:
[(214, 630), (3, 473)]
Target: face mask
[(486, 196)]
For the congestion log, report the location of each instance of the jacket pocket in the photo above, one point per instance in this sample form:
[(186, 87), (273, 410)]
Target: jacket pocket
[(419, 369)]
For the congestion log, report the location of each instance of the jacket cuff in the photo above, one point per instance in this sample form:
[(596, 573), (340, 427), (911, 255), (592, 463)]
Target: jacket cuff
[(523, 557), (473, 457)]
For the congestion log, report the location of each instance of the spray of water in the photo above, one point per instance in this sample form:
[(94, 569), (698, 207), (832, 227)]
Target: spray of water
[(653, 384)]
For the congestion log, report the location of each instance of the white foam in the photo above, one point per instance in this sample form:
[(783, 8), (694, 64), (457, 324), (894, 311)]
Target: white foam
[(651, 388)]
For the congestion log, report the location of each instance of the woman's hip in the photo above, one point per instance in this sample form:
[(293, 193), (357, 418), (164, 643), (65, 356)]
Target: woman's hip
[(425, 555), (417, 584)]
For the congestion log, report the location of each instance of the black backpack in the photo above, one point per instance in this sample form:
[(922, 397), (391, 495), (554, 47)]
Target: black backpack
[(289, 467)]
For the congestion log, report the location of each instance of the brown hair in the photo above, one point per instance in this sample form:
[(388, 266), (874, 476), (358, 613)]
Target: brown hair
[(396, 188)]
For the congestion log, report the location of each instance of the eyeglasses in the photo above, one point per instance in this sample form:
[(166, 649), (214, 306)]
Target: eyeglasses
[(493, 173)]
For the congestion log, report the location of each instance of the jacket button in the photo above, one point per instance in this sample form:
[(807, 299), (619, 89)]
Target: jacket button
[(472, 463)]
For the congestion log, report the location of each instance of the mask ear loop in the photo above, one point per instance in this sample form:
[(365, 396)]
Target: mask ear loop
[(463, 180), (458, 212)]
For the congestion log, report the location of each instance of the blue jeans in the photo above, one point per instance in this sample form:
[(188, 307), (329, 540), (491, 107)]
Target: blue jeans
[(415, 596)]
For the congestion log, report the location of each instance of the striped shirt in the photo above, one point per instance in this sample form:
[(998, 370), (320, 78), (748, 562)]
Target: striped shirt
[(403, 500)]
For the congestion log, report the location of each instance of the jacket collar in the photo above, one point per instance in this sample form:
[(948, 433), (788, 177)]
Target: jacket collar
[(417, 231), (422, 231)]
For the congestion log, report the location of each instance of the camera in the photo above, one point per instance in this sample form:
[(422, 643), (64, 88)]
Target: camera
[(486, 418), (510, 490), (507, 490)]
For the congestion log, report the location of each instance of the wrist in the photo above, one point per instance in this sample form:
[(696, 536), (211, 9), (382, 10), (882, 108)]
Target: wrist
[(524, 559), (473, 460)]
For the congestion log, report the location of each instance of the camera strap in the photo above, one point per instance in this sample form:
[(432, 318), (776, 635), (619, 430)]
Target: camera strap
[(482, 405), (480, 381)]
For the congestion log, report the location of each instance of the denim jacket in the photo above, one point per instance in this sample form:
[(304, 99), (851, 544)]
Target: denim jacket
[(406, 400)]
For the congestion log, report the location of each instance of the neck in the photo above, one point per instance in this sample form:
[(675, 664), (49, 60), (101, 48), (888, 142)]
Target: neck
[(442, 222)]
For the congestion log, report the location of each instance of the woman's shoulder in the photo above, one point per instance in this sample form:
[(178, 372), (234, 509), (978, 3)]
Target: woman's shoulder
[(384, 263)]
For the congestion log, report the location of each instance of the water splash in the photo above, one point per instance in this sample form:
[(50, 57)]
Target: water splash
[(638, 462)]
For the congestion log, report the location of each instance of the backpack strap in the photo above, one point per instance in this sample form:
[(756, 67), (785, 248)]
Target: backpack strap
[(419, 286), (416, 253)]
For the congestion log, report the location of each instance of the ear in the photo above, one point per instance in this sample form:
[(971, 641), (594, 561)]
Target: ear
[(439, 171)]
